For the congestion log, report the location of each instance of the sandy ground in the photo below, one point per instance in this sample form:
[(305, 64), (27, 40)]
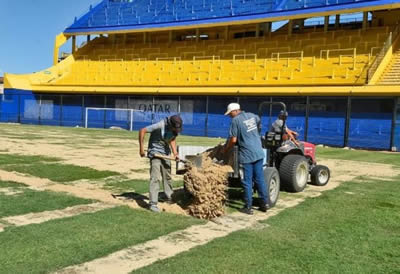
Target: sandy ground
[(115, 155), (122, 156), (41, 217), (129, 259), (135, 257)]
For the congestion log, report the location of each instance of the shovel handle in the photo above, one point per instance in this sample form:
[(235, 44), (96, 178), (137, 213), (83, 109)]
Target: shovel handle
[(167, 157)]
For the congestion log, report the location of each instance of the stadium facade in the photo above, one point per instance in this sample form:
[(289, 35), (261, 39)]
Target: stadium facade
[(335, 63)]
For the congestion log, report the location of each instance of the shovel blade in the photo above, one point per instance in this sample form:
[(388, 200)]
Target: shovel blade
[(195, 160)]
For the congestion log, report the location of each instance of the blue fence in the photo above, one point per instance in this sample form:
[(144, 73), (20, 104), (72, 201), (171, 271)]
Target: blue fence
[(366, 123)]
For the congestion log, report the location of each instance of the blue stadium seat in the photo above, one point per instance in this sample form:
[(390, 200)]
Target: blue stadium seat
[(112, 12)]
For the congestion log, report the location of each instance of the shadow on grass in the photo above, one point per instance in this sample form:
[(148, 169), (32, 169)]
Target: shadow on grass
[(140, 199), (180, 197)]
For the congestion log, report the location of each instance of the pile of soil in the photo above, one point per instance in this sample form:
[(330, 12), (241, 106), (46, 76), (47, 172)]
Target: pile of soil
[(208, 184)]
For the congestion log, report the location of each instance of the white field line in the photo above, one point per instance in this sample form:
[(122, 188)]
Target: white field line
[(41, 217)]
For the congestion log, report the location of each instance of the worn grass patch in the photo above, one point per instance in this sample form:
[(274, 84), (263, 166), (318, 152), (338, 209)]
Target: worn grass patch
[(31, 201), (60, 172), (359, 155), (135, 185), (46, 247), (334, 233)]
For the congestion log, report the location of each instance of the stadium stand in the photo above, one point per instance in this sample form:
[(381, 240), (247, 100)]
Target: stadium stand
[(339, 77)]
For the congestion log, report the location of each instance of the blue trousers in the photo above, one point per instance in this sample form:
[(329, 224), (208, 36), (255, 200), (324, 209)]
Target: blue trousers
[(253, 172)]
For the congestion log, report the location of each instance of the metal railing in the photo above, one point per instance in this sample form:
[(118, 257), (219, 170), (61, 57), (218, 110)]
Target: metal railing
[(381, 55)]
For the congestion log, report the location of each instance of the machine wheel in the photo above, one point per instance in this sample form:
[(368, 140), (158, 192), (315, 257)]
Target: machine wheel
[(320, 175), (273, 182), (294, 172)]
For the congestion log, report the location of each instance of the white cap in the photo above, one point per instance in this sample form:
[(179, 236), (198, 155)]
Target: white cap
[(232, 107)]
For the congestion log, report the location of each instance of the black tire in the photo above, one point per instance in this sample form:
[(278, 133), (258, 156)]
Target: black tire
[(320, 175), (272, 180), (294, 172)]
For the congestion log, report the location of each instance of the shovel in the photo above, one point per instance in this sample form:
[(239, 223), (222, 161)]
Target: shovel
[(191, 159)]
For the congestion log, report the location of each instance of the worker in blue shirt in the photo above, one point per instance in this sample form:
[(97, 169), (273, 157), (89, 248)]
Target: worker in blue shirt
[(245, 132)]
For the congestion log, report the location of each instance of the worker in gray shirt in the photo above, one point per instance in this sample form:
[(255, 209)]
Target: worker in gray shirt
[(245, 132), (288, 134), (162, 139)]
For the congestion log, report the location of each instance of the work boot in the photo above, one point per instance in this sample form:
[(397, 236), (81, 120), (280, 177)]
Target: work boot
[(263, 208), (169, 201), (154, 208), (247, 210)]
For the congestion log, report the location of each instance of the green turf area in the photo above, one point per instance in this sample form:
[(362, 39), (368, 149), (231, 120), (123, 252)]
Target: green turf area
[(359, 155), (352, 229), (6, 159), (53, 245), (60, 172), (137, 186), (30, 201)]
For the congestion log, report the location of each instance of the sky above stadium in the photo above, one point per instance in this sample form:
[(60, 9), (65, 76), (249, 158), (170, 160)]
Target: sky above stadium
[(28, 29)]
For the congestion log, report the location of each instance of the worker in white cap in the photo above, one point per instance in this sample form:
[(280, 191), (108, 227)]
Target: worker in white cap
[(245, 132)]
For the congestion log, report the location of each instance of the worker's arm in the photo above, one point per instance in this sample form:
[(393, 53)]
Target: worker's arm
[(142, 132), (231, 142), (292, 136), (174, 150), (292, 132), (233, 133)]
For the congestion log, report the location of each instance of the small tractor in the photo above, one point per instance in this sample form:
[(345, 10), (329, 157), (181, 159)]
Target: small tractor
[(287, 165)]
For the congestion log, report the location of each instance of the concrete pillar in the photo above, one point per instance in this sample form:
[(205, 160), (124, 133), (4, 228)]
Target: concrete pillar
[(301, 25), (337, 21), (326, 23), (257, 30), (170, 36), (268, 27), (290, 28), (73, 44), (365, 20)]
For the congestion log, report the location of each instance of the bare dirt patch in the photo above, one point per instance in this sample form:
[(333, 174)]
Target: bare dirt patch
[(8, 191), (115, 155), (135, 257)]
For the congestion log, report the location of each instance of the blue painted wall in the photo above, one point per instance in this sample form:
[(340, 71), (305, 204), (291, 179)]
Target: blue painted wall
[(370, 123)]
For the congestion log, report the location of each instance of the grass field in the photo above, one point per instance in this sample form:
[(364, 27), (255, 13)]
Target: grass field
[(354, 228)]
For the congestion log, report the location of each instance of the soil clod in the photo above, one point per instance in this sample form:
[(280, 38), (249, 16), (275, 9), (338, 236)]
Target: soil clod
[(208, 184)]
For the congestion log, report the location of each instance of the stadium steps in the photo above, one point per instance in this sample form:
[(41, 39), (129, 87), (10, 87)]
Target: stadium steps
[(391, 75)]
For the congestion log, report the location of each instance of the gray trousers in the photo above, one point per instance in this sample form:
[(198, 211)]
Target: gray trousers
[(160, 170)]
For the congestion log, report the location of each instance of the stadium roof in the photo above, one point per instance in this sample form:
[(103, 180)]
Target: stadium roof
[(150, 15)]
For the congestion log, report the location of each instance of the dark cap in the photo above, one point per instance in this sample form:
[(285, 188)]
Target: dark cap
[(283, 113), (176, 122)]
